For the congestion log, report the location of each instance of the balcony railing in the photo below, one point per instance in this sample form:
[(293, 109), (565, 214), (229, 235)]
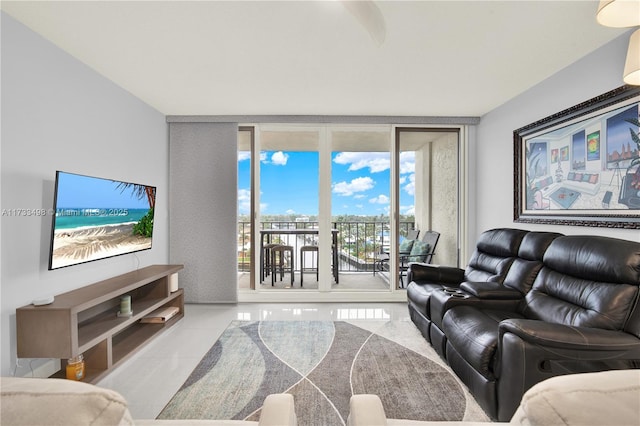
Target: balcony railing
[(358, 242)]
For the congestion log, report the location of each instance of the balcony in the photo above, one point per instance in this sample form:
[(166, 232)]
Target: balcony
[(357, 245)]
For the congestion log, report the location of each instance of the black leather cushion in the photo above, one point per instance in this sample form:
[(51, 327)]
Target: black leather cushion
[(522, 275), (502, 242), (527, 265), (534, 244), (586, 281), (474, 334), (562, 299), (495, 250), (418, 296), (485, 267), (490, 290), (595, 258)]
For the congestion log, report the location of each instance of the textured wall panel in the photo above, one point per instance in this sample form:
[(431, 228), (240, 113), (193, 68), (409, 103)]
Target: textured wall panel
[(203, 213), (444, 187)]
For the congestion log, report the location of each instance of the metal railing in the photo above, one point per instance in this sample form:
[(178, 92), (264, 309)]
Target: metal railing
[(358, 242)]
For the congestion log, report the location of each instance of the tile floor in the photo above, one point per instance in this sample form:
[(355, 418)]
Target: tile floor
[(151, 377)]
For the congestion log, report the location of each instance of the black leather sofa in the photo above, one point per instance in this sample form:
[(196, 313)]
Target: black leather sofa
[(564, 304)]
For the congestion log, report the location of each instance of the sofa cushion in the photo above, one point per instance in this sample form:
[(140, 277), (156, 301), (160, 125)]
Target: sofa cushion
[(52, 402), (418, 296), (494, 253), (502, 242), (527, 265), (406, 245), (595, 258), (602, 398), (586, 281), (562, 299), (474, 333), (419, 252)]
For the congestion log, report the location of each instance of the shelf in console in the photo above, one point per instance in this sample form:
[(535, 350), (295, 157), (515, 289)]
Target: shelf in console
[(84, 321), (108, 323), (136, 336)]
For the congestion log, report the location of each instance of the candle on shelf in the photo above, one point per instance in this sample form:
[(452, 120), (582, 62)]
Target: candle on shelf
[(125, 305), (75, 368)]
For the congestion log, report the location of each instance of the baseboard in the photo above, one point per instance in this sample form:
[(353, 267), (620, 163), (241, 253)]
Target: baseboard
[(36, 367)]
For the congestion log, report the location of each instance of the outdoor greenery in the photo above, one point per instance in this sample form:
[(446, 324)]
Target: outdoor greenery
[(144, 226)]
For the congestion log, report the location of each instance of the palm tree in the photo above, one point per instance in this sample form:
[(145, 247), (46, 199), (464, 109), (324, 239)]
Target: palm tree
[(144, 226), (140, 191)]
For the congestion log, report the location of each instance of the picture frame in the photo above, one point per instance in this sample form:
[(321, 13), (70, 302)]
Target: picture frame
[(581, 166)]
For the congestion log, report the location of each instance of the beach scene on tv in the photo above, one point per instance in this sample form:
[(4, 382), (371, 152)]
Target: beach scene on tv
[(97, 218)]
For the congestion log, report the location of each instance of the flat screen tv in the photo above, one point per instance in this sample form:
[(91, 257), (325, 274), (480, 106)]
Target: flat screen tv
[(97, 218)]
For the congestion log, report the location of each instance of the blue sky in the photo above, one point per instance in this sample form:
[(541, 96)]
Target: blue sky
[(359, 183), (77, 191)]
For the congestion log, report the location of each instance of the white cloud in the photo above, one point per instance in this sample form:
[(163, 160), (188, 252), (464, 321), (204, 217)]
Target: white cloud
[(279, 158), (375, 161), (244, 155), (290, 211), (408, 210), (359, 206), (410, 188), (356, 185), (263, 157), (407, 162), (380, 199), (244, 200)]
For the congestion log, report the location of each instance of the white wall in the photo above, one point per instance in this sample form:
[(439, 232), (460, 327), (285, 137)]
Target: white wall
[(57, 114), (593, 75)]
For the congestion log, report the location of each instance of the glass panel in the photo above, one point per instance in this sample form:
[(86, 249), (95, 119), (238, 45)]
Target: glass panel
[(245, 236), (289, 179), (360, 206), (429, 195)]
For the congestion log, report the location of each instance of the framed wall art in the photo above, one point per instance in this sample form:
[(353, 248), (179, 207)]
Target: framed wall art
[(581, 166)]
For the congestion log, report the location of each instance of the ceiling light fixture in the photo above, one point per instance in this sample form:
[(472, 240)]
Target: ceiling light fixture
[(618, 13), (622, 14), (631, 74)]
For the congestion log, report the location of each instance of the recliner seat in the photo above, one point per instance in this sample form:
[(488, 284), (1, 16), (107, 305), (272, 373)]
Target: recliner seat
[(518, 280), (495, 251), (580, 315)]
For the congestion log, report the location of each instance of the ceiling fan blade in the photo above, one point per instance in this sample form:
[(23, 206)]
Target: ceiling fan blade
[(369, 16)]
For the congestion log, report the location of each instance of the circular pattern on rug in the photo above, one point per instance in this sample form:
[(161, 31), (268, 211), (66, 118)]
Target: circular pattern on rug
[(417, 388)]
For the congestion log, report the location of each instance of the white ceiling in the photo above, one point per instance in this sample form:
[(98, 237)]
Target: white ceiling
[(448, 58)]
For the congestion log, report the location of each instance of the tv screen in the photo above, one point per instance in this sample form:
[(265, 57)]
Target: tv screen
[(97, 218)]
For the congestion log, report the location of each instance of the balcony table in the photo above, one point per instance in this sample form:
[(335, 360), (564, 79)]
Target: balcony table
[(266, 234)]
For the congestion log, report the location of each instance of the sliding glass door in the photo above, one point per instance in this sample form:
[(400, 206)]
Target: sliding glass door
[(344, 201), (361, 205)]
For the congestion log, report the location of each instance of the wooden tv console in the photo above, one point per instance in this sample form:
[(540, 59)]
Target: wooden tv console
[(85, 321)]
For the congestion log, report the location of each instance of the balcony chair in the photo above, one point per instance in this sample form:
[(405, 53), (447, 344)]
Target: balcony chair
[(421, 251), (265, 260), (404, 248), (314, 251), (278, 262)]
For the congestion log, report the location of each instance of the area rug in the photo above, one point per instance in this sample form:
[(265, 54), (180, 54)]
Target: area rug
[(565, 197), (322, 363)]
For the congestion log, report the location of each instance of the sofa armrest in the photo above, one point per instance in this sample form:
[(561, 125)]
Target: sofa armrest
[(51, 402), (602, 398), (278, 410), (541, 333), (435, 273), (366, 410), (490, 290), (531, 351)]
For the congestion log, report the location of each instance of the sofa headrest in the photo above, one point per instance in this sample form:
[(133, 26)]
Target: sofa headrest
[(595, 258), (501, 241), (534, 244), (51, 402)]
